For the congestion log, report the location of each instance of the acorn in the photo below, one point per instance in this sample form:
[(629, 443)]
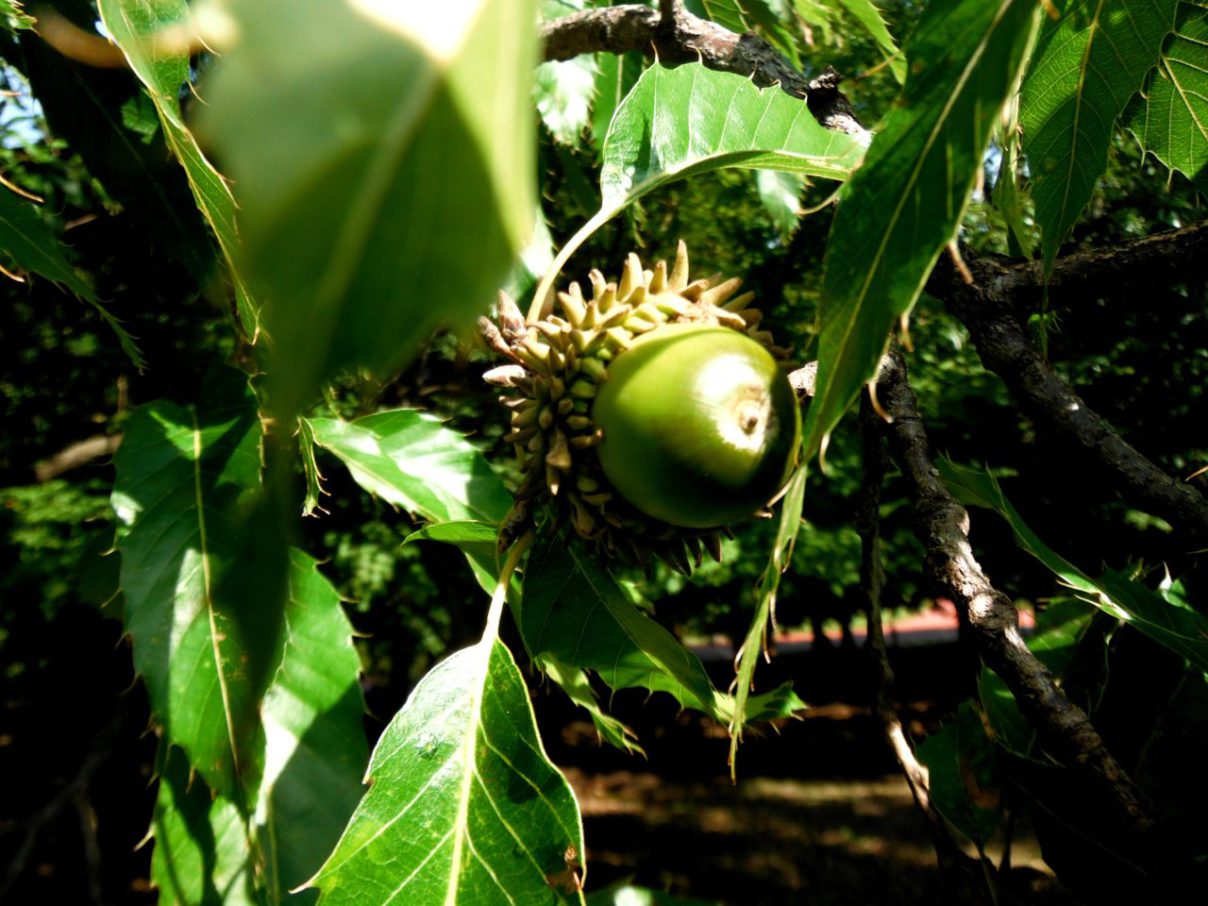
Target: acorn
[(651, 414)]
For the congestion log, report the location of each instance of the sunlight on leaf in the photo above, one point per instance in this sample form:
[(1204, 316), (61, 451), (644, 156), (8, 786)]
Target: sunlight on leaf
[(1086, 67), (1171, 119), (385, 180), (463, 804), (904, 204), (203, 575), (690, 120)]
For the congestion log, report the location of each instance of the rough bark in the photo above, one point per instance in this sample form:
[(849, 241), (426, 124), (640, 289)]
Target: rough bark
[(942, 525), (681, 37), (992, 310)]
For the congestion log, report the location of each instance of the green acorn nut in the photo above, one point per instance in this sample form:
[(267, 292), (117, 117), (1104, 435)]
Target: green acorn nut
[(650, 415), (700, 425)]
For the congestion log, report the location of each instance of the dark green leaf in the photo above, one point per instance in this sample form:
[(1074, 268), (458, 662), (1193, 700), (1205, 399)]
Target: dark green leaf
[(577, 686), (767, 18), (132, 23), (904, 203), (202, 579), (1184, 632), (1171, 119), (314, 757), (29, 243), (1086, 67), (385, 180), (464, 806), (574, 611), (964, 776), (689, 120)]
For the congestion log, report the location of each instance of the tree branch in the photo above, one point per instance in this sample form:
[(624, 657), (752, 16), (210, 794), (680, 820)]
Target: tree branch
[(1106, 271), (674, 36), (872, 582), (943, 528), (989, 308)]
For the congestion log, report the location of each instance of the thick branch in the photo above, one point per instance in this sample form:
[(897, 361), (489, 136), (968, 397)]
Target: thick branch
[(81, 453), (684, 38), (988, 308), (1107, 271), (943, 527)]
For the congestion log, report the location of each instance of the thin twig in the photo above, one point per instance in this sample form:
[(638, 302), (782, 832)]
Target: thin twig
[(676, 36), (872, 582)]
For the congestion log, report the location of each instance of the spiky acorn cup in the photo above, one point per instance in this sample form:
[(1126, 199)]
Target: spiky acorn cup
[(559, 366)]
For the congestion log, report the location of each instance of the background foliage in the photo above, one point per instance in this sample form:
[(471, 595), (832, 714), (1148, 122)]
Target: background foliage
[(384, 186)]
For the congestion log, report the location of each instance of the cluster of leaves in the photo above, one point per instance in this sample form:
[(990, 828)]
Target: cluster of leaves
[(366, 219)]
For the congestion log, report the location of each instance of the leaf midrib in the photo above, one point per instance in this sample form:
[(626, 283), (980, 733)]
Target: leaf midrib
[(208, 593), (941, 121)]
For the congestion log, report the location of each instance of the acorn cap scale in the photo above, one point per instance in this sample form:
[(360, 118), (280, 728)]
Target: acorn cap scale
[(648, 415)]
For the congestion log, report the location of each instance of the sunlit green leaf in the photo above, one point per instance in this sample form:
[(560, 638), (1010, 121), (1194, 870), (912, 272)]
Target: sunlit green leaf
[(385, 179), (865, 12), (1086, 67), (13, 16), (1007, 195), (461, 534), (132, 24), (1183, 631), (904, 203), (201, 846), (202, 579), (1171, 120), (689, 120), (314, 758), (410, 459), (315, 749), (616, 74), (464, 806), (27, 242), (564, 90), (781, 196)]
